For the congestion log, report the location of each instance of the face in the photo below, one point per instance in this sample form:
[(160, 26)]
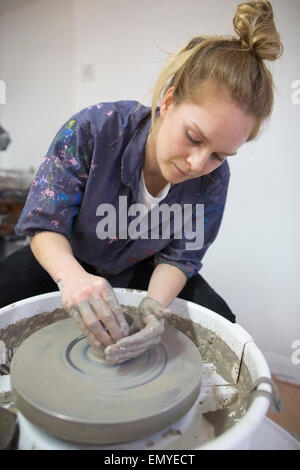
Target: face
[(193, 139)]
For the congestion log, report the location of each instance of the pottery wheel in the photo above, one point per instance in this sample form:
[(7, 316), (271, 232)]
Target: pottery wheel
[(62, 389)]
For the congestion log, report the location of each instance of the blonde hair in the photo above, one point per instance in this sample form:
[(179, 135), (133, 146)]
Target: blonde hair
[(235, 62)]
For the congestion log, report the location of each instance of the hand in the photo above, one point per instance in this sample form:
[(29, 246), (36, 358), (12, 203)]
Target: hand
[(92, 303), (151, 323)]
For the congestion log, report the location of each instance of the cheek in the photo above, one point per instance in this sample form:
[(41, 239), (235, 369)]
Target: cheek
[(173, 147), (171, 143)]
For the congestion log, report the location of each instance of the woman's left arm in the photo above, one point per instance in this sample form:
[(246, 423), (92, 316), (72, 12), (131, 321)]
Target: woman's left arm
[(166, 282)]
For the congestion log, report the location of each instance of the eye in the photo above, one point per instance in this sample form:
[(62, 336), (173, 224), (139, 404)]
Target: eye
[(195, 142)]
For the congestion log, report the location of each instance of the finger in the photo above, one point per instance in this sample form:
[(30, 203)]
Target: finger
[(107, 317), (119, 359), (77, 318), (80, 323), (92, 339), (163, 313), (110, 298), (120, 349), (149, 305), (92, 323), (153, 328), (117, 350)]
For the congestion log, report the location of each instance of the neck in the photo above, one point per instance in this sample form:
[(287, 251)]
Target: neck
[(154, 180), (151, 166)]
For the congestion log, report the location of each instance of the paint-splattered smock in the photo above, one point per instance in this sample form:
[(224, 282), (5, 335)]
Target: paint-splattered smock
[(96, 157)]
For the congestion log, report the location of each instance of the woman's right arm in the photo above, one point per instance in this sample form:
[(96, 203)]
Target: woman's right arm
[(87, 298), (53, 251)]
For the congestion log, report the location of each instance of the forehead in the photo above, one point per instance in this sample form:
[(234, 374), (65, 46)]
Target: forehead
[(222, 121)]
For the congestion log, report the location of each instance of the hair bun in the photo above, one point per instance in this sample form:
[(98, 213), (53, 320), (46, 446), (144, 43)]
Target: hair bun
[(254, 24)]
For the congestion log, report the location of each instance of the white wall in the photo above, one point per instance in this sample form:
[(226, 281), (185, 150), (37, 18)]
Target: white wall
[(254, 264), (36, 47), (125, 41)]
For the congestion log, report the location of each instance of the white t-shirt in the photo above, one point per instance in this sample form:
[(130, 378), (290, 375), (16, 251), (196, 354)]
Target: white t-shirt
[(146, 198)]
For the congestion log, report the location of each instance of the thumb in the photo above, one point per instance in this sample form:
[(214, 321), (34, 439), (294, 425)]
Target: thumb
[(150, 305), (163, 313)]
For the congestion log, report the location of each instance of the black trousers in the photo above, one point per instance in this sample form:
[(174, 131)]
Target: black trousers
[(21, 276)]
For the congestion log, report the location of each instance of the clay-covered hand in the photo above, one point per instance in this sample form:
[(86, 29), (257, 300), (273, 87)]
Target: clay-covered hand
[(151, 325), (92, 303)]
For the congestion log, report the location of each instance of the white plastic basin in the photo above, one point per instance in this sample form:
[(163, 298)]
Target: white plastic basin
[(239, 435)]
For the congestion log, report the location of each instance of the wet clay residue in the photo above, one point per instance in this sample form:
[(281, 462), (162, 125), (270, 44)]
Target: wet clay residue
[(212, 349), (14, 335), (172, 432)]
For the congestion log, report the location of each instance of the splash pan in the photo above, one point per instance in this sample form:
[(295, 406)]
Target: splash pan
[(61, 388)]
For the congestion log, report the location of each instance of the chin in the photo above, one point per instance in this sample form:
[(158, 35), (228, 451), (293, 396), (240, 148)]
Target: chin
[(177, 180), (171, 178), (170, 175)]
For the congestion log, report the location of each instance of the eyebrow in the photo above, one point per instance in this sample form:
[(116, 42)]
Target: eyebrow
[(207, 140)]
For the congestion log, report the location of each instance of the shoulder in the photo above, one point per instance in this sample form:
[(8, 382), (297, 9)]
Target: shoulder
[(221, 174), (215, 184), (111, 116), (219, 178)]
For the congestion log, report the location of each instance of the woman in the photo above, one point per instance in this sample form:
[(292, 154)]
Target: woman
[(215, 93)]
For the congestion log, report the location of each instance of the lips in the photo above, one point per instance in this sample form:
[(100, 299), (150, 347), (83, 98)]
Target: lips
[(180, 171)]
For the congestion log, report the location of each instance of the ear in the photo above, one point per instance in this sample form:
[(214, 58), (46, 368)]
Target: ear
[(167, 101)]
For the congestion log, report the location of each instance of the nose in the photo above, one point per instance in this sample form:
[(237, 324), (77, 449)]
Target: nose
[(197, 159)]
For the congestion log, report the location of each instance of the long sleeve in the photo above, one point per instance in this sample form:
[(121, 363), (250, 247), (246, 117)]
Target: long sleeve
[(56, 192)]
